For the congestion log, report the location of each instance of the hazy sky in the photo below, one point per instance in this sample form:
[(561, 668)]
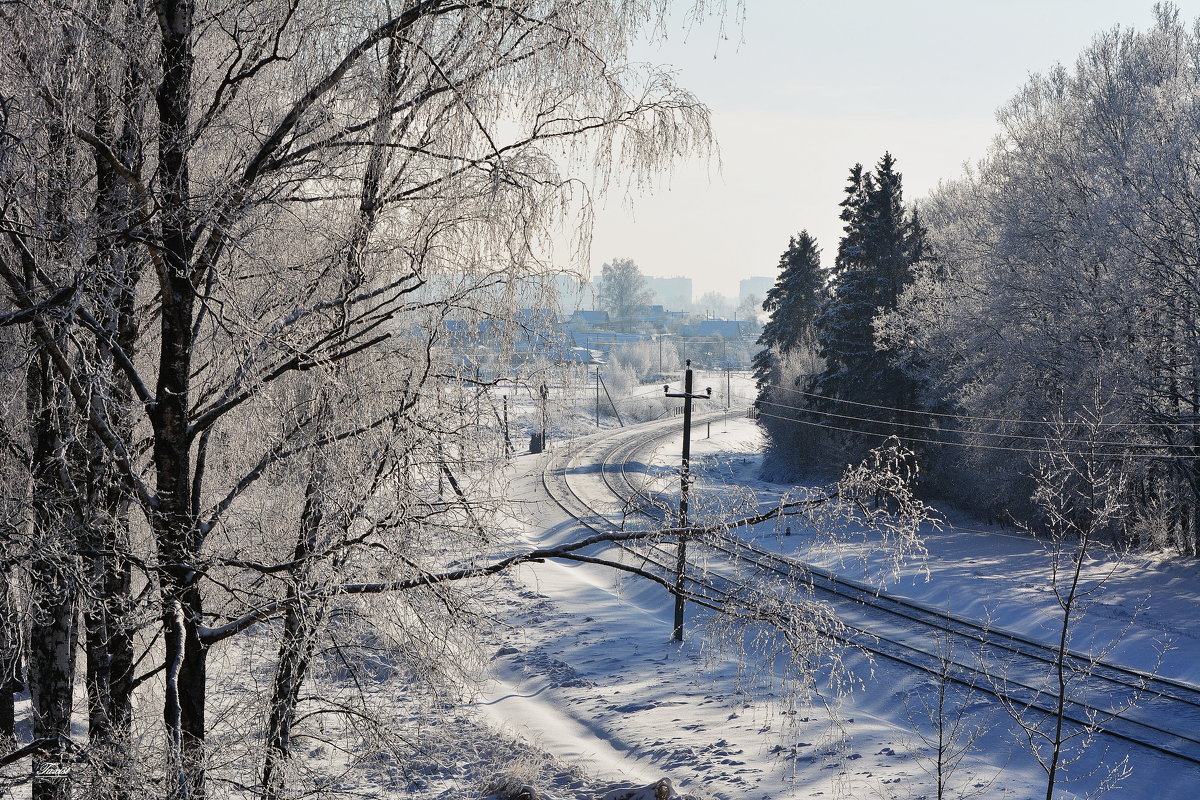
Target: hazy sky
[(803, 89)]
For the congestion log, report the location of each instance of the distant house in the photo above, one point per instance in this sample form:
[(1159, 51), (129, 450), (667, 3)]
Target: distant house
[(601, 342), (722, 328), (533, 333), (579, 355), (593, 319), (654, 315)]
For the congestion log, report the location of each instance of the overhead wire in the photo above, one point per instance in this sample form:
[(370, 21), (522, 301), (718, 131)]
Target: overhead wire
[(908, 426), (903, 425), (969, 417), (965, 432), (966, 445)]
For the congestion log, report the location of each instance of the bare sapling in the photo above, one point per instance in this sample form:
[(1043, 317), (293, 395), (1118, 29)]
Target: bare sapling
[(1082, 496), (940, 715)]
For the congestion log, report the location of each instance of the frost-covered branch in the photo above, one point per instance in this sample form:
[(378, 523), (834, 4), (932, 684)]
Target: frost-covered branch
[(567, 552)]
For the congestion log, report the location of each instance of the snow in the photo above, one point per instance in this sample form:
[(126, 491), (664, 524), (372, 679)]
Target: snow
[(583, 670), (587, 671)]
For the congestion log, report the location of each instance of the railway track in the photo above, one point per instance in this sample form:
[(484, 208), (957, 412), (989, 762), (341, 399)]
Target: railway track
[(1131, 705)]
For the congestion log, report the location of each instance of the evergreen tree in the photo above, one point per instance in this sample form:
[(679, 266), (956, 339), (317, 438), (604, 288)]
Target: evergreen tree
[(880, 245), (793, 303)]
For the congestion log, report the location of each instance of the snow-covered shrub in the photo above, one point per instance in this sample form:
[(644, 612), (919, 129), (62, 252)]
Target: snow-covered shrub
[(648, 360), (661, 789), (647, 405), (636, 401), (523, 772), (795, 445)]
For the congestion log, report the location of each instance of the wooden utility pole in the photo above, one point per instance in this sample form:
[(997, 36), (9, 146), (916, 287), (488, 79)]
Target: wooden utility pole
[(544, 393), (508, 445), (684, 480)]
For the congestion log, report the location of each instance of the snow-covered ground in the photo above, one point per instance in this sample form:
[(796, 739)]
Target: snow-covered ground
[(587, 671)]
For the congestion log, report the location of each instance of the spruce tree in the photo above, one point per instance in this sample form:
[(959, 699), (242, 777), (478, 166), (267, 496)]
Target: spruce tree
[(879, 247), (792, 303)]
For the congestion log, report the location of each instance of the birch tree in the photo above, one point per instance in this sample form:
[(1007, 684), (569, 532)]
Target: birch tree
[(204, 203)]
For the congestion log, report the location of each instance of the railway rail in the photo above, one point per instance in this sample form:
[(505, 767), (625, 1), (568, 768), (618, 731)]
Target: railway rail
[(1131, 705)]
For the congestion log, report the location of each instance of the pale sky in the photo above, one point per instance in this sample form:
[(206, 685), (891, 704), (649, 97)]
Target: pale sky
[(805, 88)]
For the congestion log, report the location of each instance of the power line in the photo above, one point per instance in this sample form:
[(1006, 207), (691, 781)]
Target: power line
[(1009, 420), (965, 432), (966, 445)]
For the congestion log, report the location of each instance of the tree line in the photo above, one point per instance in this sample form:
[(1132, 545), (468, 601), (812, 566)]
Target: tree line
[(1042, 306), (829, 388)]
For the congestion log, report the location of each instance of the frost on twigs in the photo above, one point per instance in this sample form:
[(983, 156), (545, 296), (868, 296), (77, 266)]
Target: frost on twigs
[(769, 610), (874, 515), (945, 727), (780, 623), (1081, 494)]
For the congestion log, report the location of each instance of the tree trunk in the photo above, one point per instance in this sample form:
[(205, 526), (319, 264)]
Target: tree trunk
[(176, 530), (178, 538), (300, 625), (108, 646), (11, 674), (53, 587), (295, 652), (52, 643), (108, 632)]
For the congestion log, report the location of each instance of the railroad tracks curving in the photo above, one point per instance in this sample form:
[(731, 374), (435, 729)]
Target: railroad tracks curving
[(1133, 705)]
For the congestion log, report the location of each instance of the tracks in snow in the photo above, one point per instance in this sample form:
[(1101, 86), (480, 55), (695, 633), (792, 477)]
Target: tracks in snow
[(1127, 704)]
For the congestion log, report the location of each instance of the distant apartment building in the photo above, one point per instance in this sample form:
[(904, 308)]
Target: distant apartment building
[(756, 287), (572, 293), (673, 294), (562, 291)]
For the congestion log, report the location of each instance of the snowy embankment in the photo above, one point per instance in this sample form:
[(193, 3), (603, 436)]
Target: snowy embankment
[(587, 671)]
